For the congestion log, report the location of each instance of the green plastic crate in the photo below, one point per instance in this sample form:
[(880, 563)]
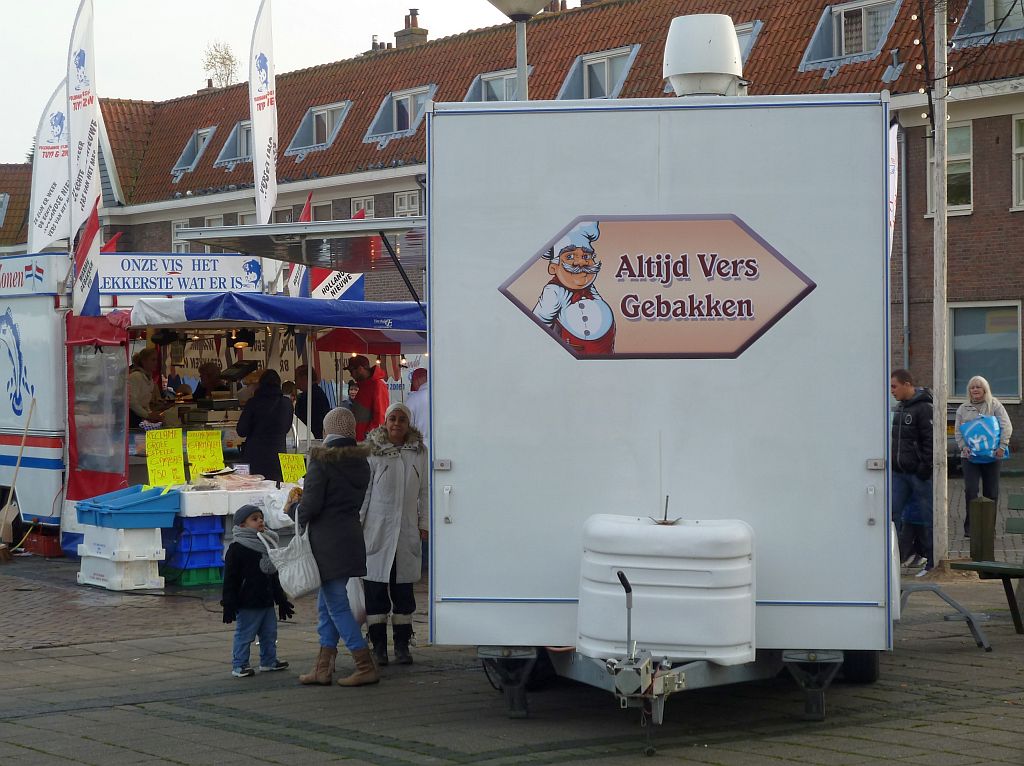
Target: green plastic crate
[(189, 578)]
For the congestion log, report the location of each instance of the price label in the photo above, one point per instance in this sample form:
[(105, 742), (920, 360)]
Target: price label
[(204, 451), (165, 457), (293, 467)]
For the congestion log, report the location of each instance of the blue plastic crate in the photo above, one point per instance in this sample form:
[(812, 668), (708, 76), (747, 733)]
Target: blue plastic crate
[(131, 508), (192, 559), (182, 540), (196, 524)]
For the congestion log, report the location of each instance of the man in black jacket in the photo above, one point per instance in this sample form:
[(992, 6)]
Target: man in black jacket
[(321, 406), (912, 454)]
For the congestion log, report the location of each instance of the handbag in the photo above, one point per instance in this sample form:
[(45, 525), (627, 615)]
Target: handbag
[(296, 567), (356, 599), (981, 436)]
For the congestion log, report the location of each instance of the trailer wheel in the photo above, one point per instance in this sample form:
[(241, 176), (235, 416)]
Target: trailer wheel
[(861, 666)]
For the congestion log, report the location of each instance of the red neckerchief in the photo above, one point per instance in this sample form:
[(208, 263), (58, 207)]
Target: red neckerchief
[(575, 296)]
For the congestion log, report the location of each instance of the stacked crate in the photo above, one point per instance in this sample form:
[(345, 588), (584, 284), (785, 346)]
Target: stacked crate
[(121, 544), (194, 551)]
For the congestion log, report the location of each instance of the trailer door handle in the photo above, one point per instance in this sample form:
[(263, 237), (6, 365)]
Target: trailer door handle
[(448, 488)]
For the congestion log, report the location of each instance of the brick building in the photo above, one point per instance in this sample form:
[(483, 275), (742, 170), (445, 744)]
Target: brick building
[(352, 132)]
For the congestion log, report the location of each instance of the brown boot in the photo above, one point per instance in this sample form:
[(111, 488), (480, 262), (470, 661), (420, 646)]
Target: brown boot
[(366, 671), (323, 671)]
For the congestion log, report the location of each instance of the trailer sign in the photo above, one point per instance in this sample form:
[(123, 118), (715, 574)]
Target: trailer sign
[(689, 286)]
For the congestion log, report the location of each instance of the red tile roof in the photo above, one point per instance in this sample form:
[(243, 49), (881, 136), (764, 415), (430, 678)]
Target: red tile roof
[(15, 180), (148, 138)]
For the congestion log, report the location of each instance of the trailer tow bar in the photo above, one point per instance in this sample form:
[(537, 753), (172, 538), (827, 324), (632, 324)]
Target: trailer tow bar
[(641, 681)]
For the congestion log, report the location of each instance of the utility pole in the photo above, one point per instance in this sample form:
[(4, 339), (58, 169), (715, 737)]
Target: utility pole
[(940, 488)]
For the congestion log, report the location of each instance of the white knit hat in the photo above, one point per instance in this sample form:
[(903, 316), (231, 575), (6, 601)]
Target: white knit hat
[(340, 422), (397, 406)]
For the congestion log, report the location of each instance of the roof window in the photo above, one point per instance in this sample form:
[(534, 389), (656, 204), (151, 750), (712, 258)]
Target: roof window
[(849, 32), (495, 86), (238, 147), (987, 21), (194, 148), (399, 115), (5, 199), (598, 75), (318, 129)]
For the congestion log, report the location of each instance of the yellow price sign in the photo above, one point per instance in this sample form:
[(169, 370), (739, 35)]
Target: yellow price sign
[(293, 467), (165, 457), (204, 451)]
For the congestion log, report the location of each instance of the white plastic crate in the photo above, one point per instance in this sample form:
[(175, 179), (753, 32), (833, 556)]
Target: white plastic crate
[(122, 544), (238, 498), (119, 575), (212, 502)]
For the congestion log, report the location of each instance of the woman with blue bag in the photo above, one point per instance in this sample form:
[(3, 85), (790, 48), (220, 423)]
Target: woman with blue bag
[(982, 432)]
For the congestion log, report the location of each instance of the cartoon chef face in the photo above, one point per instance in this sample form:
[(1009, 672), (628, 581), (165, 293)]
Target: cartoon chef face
[(575, 268)]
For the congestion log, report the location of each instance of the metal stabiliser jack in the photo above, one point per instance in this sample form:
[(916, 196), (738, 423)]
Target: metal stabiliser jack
[(642, 681)]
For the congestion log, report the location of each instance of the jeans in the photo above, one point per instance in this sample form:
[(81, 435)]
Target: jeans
[(336, 621), (251, 623), (905, 486), (979, 475)]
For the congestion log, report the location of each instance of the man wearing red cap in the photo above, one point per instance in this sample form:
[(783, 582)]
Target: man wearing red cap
[(373, 398)]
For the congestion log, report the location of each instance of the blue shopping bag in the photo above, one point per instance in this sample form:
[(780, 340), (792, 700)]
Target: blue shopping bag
[(981, 436)]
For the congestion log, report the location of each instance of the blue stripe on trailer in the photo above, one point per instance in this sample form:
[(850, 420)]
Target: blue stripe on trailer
[(47, 464)]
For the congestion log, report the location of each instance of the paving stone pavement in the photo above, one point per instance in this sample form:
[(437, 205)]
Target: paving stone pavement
[(92, 677)]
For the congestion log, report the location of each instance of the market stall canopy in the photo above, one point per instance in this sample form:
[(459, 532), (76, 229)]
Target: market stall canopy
[(373, 327), (354, 246)]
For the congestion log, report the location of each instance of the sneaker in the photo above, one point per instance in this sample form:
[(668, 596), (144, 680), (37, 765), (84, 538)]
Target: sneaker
[(923, 573), (909, 560), (278, 665), (920, 562), (243, 672)]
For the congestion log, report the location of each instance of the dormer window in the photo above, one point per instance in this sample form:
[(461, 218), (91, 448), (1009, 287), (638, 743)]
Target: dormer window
[(598, 75), (991, 21), (194, 148), (5, 200), (746, 35), (850, 32), (318, 129), (399, 115), (238, 147), (495, 86)]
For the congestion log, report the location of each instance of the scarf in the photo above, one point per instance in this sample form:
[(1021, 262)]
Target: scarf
[(247, 538)]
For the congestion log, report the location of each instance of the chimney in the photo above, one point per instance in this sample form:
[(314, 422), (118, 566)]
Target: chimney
[(208, 88), (412, 35)]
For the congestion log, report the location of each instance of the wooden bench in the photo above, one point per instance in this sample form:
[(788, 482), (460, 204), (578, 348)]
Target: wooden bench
[(1001, 570)]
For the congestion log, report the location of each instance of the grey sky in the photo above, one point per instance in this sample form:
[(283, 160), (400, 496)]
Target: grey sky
[(152, 49)]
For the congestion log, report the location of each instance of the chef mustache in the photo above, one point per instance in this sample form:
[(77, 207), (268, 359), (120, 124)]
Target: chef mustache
[(582, 269)]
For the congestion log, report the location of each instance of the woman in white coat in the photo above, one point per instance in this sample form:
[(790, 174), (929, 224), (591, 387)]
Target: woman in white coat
[(395, 520)]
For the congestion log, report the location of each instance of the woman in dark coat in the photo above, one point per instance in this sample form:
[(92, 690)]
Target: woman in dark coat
[(265, 421), (332, 495)]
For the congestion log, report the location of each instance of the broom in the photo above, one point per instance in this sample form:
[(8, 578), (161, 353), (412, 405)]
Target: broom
[(8, 512)]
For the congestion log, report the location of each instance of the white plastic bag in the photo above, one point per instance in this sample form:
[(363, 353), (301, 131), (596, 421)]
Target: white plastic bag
[(295, 564), (356, 600)]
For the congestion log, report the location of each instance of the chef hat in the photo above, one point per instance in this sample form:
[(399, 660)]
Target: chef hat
[(581, 236)]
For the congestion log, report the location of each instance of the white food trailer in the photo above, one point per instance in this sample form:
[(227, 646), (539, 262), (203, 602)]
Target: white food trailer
[(726, 365)]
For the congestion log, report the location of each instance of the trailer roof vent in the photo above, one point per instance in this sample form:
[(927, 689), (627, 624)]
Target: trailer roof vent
[(702, 56)]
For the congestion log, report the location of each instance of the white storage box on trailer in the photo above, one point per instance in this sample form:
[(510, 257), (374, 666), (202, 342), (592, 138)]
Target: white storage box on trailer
[(122, 544), (119, 575), (693, 588), (212, 502)]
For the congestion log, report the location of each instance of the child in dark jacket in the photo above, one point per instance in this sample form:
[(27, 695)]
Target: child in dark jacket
[(251, 590)]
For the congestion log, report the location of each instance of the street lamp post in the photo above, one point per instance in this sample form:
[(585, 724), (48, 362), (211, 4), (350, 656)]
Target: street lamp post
[(520, 11)]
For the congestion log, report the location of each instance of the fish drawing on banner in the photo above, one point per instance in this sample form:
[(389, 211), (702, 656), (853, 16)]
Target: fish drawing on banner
[(18, 387), (253, 271), (80, 70)]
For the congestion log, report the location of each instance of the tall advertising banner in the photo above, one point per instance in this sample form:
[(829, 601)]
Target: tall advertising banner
[(85, 295), (894, 167), (83, 116), (48, 220), (263, 113)]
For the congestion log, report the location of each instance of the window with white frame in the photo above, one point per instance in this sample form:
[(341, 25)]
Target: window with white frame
[(194, 148), (985, 340), (958, 168), (399, 114), (318, 129), (598, 75), (746, 35), (362, 203), (855, 30), (281, 215), (178, 245), (323, 212), (988, 17), (247, 219), (1018, 161), (217, 220), (238, 147), (407, 203)]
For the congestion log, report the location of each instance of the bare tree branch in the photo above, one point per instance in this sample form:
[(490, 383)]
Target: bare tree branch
[(220, 63)]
